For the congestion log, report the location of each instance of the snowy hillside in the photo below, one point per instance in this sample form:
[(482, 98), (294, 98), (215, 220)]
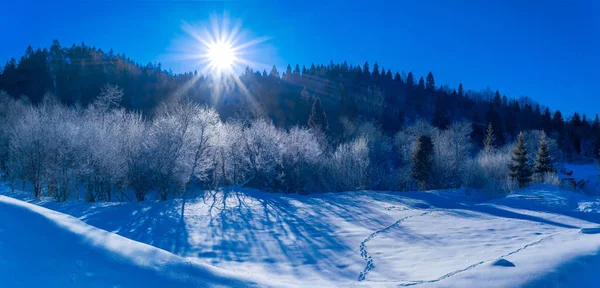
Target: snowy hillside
[(42, 248), (437, 238)]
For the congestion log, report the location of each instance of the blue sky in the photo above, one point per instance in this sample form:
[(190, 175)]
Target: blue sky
[(547, 50)]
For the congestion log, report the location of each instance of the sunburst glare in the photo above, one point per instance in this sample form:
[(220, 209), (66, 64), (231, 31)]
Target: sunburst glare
[(222, 49)]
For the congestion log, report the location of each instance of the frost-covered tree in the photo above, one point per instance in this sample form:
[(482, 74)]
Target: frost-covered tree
[(28, 148), (173, 146), (349, 165), (205, 126), (422, 161), (301, 155), (519, 169), (229, 167), (109, 98), (489, 171), (452, 147), (262, 143), (543, 161), (65, 150), (488, 141), (10, 111)]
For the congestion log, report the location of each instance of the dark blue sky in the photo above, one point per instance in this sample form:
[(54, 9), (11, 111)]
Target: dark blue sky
[(547, 50)]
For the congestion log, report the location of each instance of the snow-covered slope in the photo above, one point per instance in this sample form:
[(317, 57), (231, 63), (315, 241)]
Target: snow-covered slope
[(436, 238), (43, 248)]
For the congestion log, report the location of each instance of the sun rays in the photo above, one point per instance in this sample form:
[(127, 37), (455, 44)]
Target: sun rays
[(221, 50)]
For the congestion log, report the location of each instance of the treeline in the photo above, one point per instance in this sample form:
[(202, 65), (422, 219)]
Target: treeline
[(345, 93), (109, 153)]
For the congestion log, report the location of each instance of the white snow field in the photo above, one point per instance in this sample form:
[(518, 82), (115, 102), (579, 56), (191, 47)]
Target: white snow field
[(43, 248), (541, 236)]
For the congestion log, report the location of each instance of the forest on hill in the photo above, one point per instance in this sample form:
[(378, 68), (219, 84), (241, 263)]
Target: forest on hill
[(333, 127), (347, 92)]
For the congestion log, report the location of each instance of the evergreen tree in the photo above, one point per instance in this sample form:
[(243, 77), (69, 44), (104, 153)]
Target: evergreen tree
[(460, 90), (288, 72), (430, 82), (497, 100), (274, 73), (397, 77), (543, 161), (410, 79), (388, 74), (375, 70), (422, 161), (318, 119), (488, 141), (519, 169), (557, 121), (365, 69), (421, 83), (440, 117), (546, 120)]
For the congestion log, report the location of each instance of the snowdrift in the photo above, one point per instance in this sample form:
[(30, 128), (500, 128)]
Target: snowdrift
[(43, 248)]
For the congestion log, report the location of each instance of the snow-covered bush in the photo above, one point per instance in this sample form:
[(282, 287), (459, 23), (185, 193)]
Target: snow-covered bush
[(10, 111), (28, 148), (348, 167), (228, 154), (136, 155), (173, 143), (452, 148), (262, 144), (301, 156), (489, 171), (65, 149), (550, 178)]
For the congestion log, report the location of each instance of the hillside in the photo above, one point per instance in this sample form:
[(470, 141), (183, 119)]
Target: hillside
[(350, 93)]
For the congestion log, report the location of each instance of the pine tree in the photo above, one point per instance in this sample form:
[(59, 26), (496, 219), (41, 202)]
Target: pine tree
[(488, 142), (388, 74), (460, 90), (440, 117), (497, 99), (421, 83), (430, 82), (397, 77), (375, 70), (410, 79), (318, 118), (274, 73), (557, 121), (288, 72), (365, 69), (422, 160), (543, 161), (519, 169)]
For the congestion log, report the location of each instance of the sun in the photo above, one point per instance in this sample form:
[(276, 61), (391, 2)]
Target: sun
[(222, 48), (221, 55)]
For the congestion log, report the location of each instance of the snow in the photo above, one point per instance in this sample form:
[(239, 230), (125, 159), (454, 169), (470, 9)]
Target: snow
[(43, 248), (365, 238), (587, 172)]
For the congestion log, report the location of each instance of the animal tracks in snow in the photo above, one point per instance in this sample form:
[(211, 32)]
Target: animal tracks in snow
[(370, 263), (363, 245)]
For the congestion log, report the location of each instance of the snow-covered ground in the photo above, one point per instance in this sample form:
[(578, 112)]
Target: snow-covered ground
[(437, 238), (43, 248)]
